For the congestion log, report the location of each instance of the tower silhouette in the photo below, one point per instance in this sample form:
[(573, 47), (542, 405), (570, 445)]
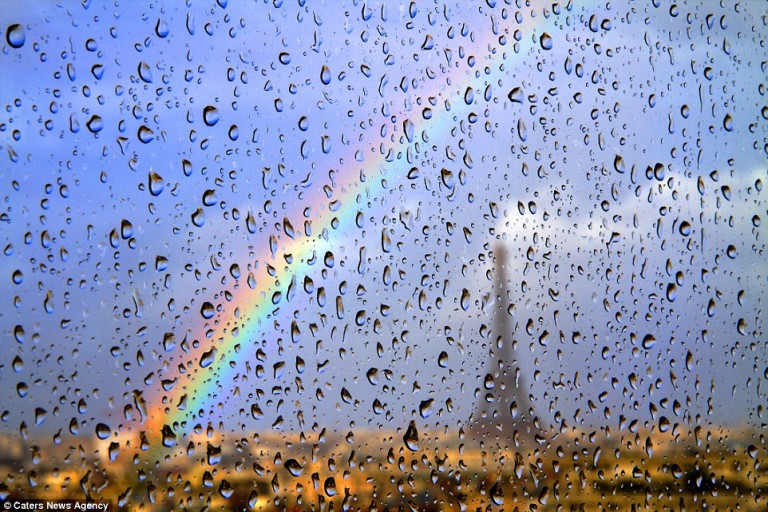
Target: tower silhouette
[(503, 411)]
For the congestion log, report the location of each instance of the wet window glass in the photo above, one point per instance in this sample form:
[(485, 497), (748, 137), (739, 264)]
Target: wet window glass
[(307, 255)]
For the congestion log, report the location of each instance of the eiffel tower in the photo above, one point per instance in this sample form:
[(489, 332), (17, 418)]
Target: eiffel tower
[(503, 412)]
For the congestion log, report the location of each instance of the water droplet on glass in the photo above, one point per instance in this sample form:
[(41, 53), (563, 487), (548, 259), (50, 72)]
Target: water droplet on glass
[(411, 437), (103, 431), (161, 28), (250, 222), (330, 486), (649, 341), (619, 165), (208, 358), (210, 115), (469, 96), (329, 260), (325, 75), (546, 41), (145, 134), (207, 310), (293, 467), (145, 72), (728, 123), (15, 35), (95, 124), (465, 299), (516, 95), (497, 494), (425, 408), (155, 183), (198, 218)]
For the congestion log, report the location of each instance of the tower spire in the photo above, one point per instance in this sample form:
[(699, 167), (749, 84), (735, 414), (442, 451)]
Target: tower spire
[(503, 412)]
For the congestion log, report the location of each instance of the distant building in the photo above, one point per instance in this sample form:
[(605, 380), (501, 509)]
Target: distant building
[(503, 413)]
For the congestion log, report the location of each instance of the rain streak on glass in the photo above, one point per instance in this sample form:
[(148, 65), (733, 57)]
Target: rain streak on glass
[(374, 255)]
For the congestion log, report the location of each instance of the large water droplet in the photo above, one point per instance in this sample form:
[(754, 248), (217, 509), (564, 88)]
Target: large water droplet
[(411, 437), (208, 358), (198, 217), (103, 431), (95, 124), (207, 310), (465, 299), (250, 222), (325, 75), (649, 341), (15, 35), (155, 183), (161, 28), (546, 41), (330, 486), (425, 408), (145, 72), (211, 115), (293, 467), (146, 135), (728, 123)]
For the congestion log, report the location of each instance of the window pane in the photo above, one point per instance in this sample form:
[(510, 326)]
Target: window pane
[(289, 255)]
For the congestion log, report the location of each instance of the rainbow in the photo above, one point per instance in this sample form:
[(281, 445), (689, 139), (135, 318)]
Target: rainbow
[(210, 367)]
